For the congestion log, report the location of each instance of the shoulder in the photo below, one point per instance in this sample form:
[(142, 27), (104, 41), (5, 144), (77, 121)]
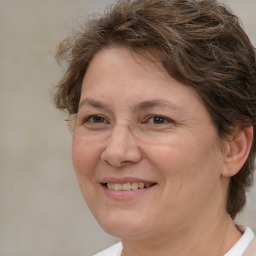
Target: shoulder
[(251, 249), (244, 246), (114, 250)]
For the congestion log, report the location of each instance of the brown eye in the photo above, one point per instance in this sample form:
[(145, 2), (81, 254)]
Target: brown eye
[(158, 120), (96, 119)]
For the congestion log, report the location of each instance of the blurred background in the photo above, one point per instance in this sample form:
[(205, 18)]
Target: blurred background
[(42, 211)]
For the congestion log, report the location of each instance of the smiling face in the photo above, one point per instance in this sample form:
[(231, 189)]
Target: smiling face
[(146, 154)]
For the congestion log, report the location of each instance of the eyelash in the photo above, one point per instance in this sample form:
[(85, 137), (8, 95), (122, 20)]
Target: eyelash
[(163, 120), (87, 119)]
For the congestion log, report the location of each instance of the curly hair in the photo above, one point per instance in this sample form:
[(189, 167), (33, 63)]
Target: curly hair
[(199, 43)]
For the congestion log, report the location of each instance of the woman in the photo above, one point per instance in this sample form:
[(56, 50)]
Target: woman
[(161, 96)]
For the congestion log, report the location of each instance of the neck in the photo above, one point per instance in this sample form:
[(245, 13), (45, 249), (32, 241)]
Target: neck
[(211, 239)]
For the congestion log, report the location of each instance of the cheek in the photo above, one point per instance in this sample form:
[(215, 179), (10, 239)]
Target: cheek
[(85, 158), (190, 177), (190, 164), (173, 159)]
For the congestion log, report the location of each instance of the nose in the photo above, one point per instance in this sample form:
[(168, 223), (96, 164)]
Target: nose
[(121, 148)]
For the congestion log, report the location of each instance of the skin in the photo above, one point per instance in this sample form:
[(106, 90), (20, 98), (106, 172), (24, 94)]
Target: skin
[(184, 213)]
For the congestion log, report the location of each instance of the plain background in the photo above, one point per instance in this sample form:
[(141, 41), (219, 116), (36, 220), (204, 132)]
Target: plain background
[(42, 211)]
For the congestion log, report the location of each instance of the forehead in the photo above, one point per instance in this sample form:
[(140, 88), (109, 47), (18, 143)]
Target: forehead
[(118, 75), (124, 62)]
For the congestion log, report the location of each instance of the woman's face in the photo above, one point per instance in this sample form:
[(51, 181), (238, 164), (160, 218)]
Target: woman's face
[(171, 148)]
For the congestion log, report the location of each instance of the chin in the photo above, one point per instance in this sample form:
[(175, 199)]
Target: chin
[(123, 225)]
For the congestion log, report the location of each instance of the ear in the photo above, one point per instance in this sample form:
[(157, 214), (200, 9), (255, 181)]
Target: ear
[(237, 151)]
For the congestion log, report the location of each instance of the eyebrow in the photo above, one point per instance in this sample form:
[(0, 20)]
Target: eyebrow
[(94, 103), (144, 105), (156, 103)]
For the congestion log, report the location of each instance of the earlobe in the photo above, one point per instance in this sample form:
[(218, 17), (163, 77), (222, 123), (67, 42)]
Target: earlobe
[(237, 151)]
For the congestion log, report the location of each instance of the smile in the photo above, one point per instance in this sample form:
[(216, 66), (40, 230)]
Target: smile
[(128, 186)]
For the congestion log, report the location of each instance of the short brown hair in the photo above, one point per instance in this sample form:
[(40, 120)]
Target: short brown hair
[(200, 43)]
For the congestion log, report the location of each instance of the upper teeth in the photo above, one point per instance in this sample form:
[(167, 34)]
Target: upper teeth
[(127, 186)]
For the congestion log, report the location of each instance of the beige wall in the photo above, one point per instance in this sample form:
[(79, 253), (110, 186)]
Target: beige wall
[(42, 211)]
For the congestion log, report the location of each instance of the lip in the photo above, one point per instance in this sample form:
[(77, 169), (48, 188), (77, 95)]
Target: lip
[(125, 194), (125, 180)]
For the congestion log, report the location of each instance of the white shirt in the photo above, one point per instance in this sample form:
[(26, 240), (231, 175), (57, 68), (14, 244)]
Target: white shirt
[(237, 250), (114, 250), (242, 244)]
